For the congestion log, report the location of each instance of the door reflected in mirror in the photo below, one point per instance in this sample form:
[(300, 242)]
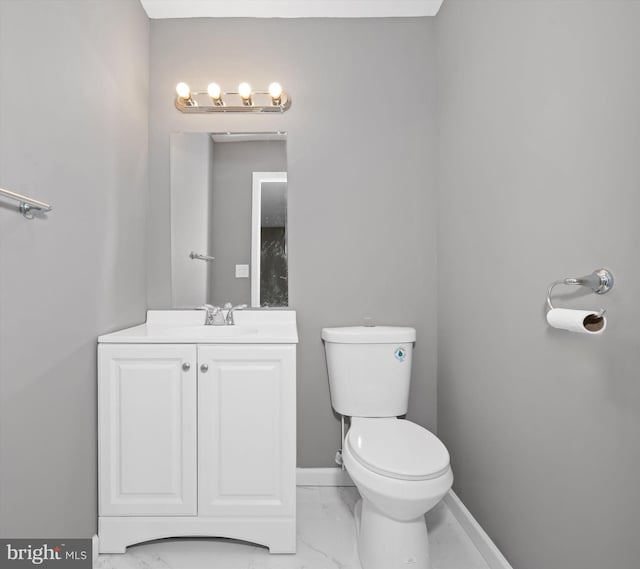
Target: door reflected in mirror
[(229, 219), (269, 276)]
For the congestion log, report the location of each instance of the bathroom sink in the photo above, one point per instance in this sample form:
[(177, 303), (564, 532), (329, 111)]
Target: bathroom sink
[(211, 331), (187, 327)]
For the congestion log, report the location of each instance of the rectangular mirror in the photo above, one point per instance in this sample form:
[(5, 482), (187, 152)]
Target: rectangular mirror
[(229, 219)]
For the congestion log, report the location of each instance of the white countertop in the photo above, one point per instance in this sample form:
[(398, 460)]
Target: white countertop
[(187, 327)]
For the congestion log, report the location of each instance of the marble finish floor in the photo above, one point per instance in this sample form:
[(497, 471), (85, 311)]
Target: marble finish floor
[(326, 540)]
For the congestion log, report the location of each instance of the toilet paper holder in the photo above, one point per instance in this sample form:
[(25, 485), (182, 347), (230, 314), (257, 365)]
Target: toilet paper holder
[(600, 282)]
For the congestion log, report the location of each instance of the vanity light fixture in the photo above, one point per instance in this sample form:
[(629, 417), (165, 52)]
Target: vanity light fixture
[(245, 99)]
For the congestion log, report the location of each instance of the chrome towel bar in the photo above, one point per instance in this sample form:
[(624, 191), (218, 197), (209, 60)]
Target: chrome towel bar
[(27, 205), (201, 257)]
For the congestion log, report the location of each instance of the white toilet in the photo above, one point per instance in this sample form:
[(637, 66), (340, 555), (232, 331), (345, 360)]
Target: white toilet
[(401, 469)]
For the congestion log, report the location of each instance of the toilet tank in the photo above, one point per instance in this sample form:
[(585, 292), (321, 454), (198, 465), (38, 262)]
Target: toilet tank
[(369, 369)]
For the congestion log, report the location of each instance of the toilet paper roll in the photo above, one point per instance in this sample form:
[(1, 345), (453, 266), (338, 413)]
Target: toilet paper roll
[(582, 321)]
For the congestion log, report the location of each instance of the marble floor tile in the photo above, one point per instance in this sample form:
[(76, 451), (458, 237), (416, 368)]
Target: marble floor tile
[(326, 540)]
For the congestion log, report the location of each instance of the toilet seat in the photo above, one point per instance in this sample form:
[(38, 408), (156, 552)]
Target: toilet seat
[(397, 448)]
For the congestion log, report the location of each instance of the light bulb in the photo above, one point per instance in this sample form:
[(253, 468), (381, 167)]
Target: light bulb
[(244, 90), (214, 91), (183, 90), (275, 90)]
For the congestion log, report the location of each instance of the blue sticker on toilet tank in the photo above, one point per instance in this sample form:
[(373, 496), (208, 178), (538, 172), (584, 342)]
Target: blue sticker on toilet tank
[(400, 354)]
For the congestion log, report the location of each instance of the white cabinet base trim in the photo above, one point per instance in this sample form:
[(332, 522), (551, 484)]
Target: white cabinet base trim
[(492, 555), (117, 533)]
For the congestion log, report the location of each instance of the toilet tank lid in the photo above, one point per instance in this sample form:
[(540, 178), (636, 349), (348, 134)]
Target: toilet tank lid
[(369, 334)]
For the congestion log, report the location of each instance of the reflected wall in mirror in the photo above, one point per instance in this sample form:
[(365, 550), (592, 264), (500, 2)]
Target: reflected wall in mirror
[(229, 214)]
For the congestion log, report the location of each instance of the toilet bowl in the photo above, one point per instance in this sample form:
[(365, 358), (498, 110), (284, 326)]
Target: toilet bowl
[(401, 471)]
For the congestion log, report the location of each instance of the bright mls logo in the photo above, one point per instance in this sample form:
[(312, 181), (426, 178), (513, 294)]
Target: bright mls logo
[(70, 553), (37, 555)]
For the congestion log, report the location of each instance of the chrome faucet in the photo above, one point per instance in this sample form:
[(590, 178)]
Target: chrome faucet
[(230, 308), (214, 314)]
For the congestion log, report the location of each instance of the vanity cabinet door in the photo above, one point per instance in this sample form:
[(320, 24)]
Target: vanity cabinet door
[(247, 430), (147, 430)]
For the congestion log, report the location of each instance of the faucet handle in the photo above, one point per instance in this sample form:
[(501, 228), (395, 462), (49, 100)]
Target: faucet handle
[(230, 308), (210, 308), (212, 312)]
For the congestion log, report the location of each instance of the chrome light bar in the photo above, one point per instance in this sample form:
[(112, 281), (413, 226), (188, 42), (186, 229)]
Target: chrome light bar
[(243, 100)]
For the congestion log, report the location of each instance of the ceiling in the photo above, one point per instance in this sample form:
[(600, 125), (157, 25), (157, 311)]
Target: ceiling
[(290, 8)]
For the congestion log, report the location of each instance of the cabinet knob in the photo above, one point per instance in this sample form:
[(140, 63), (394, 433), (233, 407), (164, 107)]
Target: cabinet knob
[(186, 366), (204, 368)]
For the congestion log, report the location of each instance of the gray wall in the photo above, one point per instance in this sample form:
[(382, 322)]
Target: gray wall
[(539, 179), (73, 131), (230, 231), (361, 178)]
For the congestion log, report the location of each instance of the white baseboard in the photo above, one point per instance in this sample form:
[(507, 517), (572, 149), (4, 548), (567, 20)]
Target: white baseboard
[(492, 555), (322, 477), (95, 549)]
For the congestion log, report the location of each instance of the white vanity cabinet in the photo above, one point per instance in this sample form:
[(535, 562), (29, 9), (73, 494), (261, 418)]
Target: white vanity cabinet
[(147, 430), (246, 431), (196, 439)]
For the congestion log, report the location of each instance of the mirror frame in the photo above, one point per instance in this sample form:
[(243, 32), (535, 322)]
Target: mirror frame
[(256, 226)]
